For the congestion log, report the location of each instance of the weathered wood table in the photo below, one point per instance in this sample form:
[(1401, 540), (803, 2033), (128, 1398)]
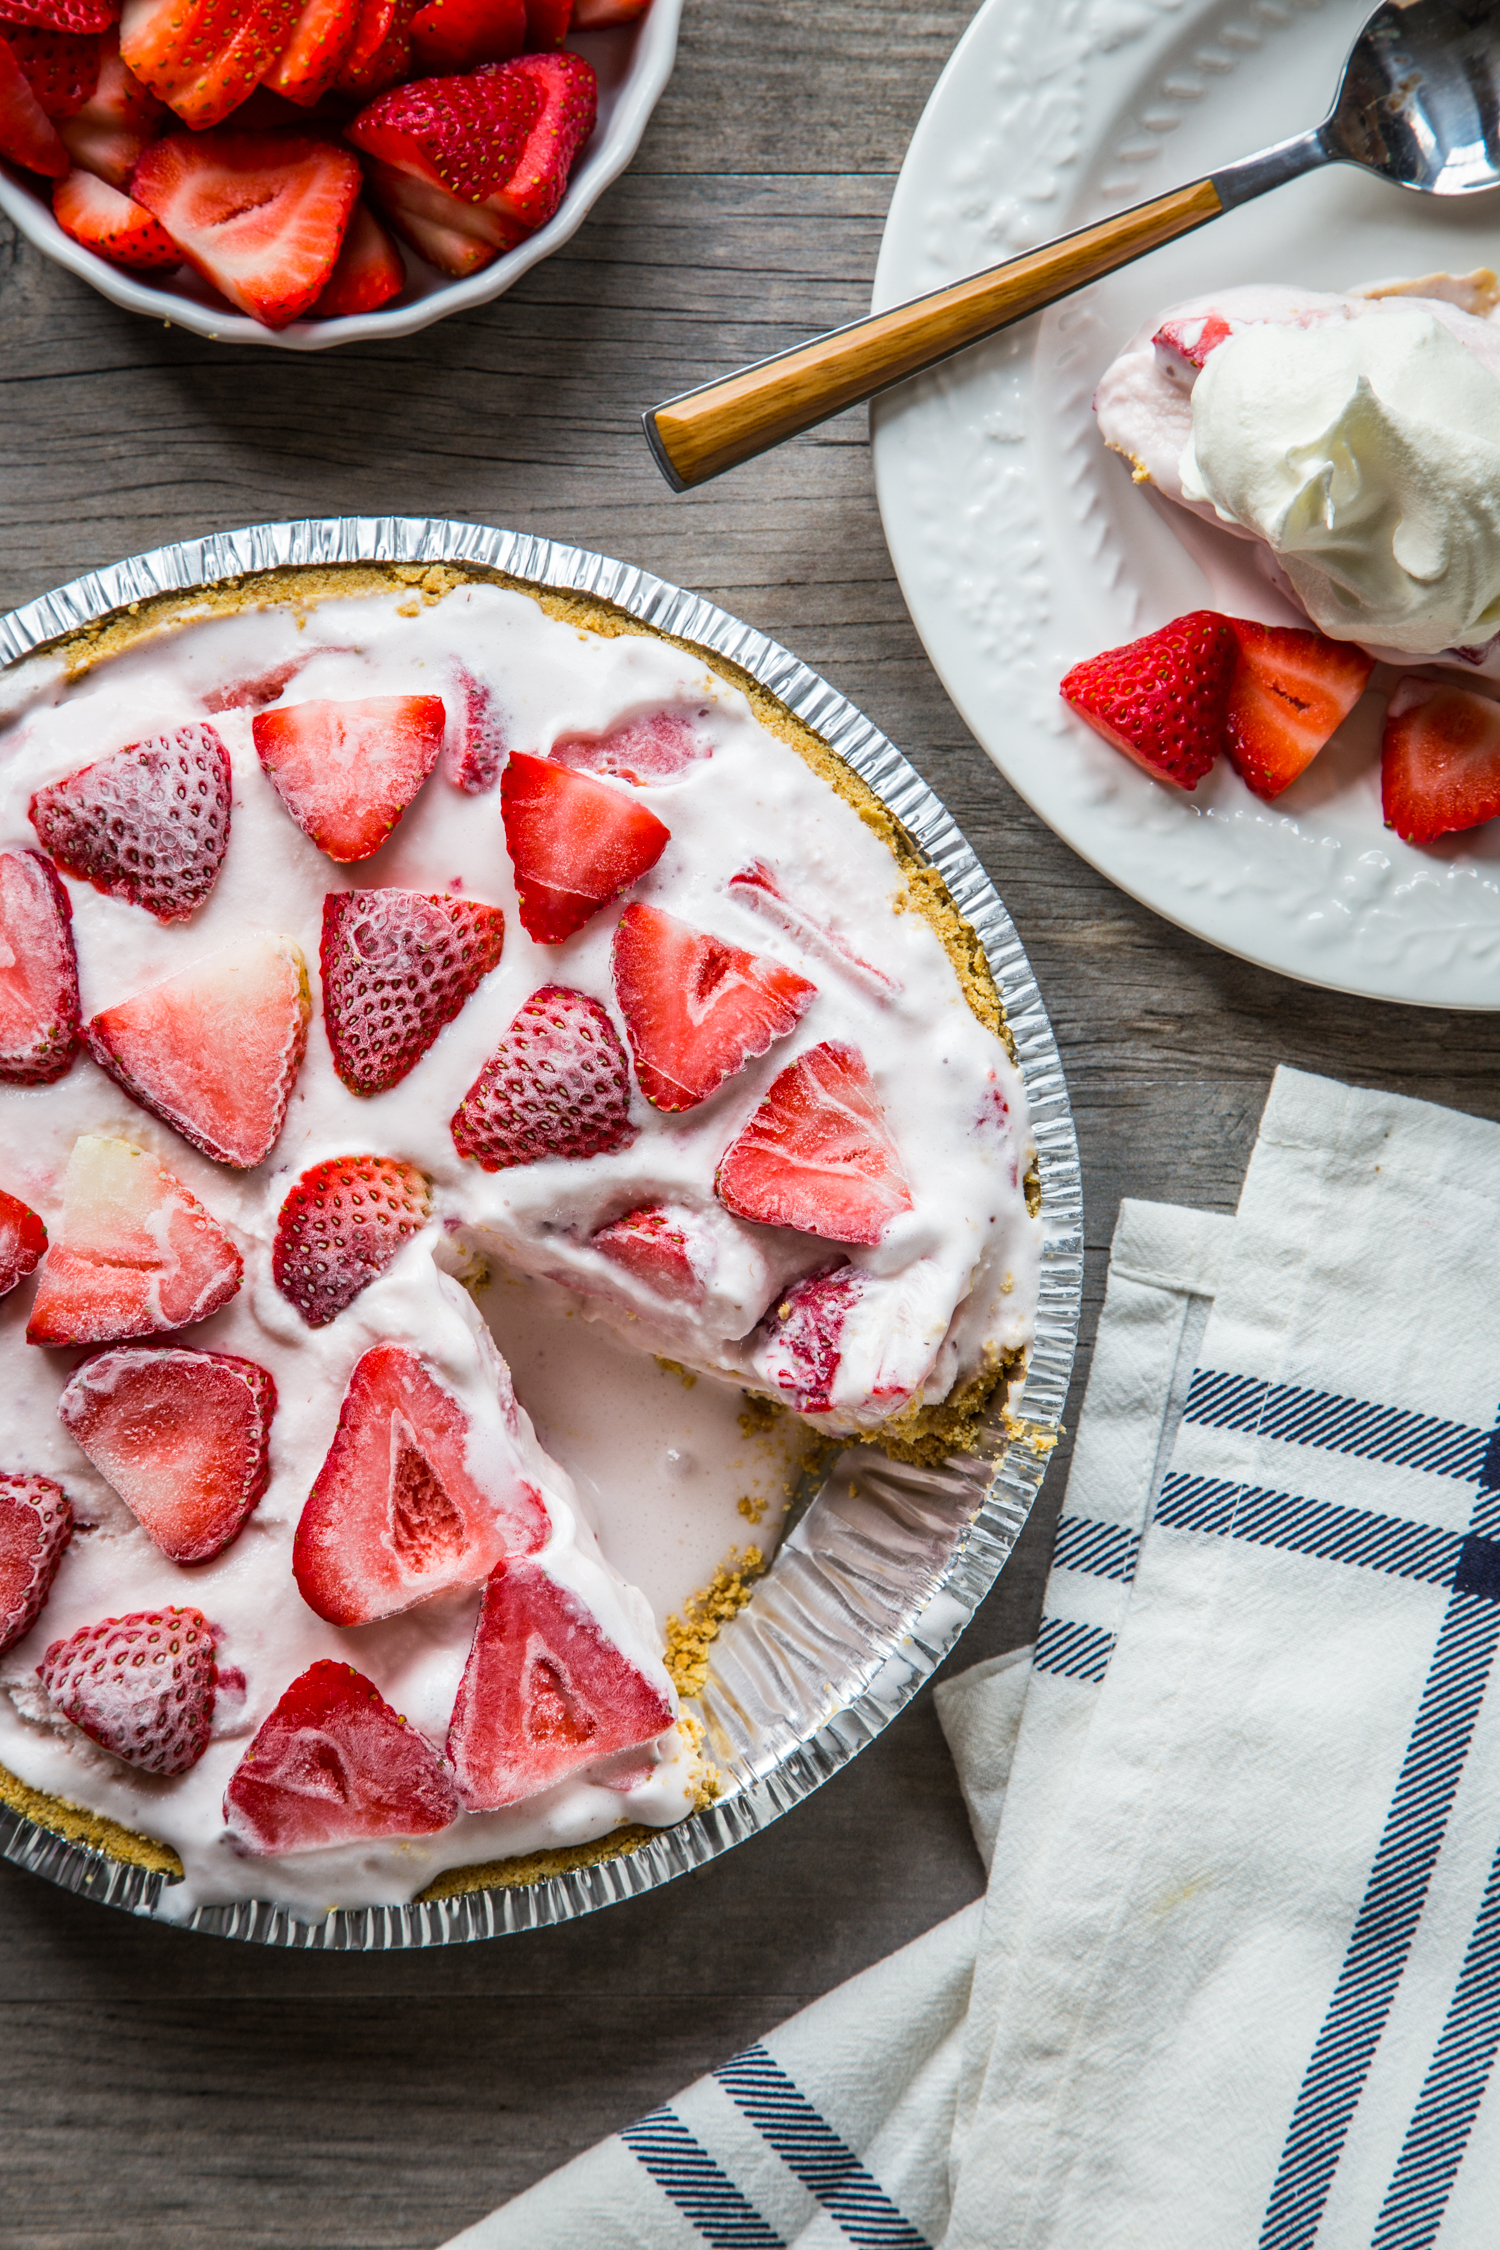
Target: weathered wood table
[(162, 2092)]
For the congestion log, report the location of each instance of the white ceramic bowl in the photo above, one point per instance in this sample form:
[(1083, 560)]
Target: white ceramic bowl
[(634, 64)]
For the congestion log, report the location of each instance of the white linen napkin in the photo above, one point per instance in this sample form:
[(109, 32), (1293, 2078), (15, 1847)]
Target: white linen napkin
[(1236, 1978)]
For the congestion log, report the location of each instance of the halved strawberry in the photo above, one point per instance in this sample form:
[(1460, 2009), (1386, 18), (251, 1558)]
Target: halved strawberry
[(314, 53), (558, 1084), (38, 972), (234, 71), (1439, 760), (397, 966), (456, 236), (574, 843), (108, 134), (569, 88), (476, 752), (36, 1523), (61, 67), (64, 15), (1164, 699), (23, 1238), (697, 1010), (27, 134), (658, 746), (346, 772), (140, 1686), (149, 824), (656, 1245), (544, 1692), (412, 1499), (340, 1226), (547, 22), (601, 15), (133, 1253), (110, 224), (260, 215), (817, 1155), (334, 1764), (1289, 690), (363, 73), (369, 273), (454, 35), (182, 1436), (217, 1048), (805, 1333)]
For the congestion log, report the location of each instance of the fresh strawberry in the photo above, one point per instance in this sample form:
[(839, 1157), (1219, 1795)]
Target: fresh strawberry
[(1439, 760), (397, 966), (149, 824), (805, 1335), (465, 135), (369, 273), (656, 747), (696, 1009), (817, 1155), (601, 15), (64, 15), (390, 59), (38, 972), (569, 88), (141, 1686), (547, 22), (476, 752), (168, 44), (558, 1084), (217, 1048), (23, 1238), (544, 1692), (334, 1764), (319, 41), (341, 1226), (111, 224), (261, 30), (656, 1246), (399, 1512), (1289, 690), (574, 843), (346, 772), (27, 134), (455, 35), (456, 236), (36, 1523), (182, 1436), (108, 134), (133, 1253), (260, 215), (373, 23), (1164, 699), (61, 67)]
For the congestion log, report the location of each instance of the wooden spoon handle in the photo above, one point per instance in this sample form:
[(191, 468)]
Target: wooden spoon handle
[(706, 431)]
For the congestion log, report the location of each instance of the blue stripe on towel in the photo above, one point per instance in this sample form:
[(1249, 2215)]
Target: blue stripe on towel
[(1310, 1527), (704, 2193), (826, 2165), (1104, 1550), (1078, 1652), (1339, 1425)]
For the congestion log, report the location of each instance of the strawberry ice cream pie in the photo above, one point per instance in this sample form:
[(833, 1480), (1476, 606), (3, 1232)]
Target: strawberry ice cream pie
[(438, 1018)]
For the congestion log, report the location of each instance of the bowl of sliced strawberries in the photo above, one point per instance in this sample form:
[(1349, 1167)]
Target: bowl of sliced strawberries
[(313, 172)]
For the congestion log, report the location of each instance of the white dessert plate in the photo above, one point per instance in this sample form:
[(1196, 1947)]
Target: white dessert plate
[(634, 64), (1022, 545)]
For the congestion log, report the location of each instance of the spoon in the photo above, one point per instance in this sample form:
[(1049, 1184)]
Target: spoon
[(1419, 103)]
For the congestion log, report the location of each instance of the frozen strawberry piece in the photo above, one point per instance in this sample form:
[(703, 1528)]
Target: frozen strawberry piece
[(464, 135), (132, 1255), (805, 1334), (334, 1764), (255, 693), (757, 887), (38, 972), (1439, 760), (150, 824), (547, 22), (476, 750), (341, 1226), (458, 35), (603, 15), (347, 771), (64, 15), (574, 843), (369, 273), (36, 1523), (182, 1436), (661, 1247), (544, 1692), (107, 136), (558, 1084), (261, 216), (569, 88), (657, 746), (697, 1010), (1182, 346), (111, 225), (141, 1686), (1290, 690), (398, 966), (818, 1155), (61, 67), (320, 38), (1163, 700), (23, 1238), (455, 236), (27, 134), (366, 70)]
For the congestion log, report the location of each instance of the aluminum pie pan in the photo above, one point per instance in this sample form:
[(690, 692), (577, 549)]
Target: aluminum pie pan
[(887, 1563)]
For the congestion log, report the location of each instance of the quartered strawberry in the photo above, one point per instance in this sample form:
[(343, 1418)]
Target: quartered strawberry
[(260, 215), (805, 1334), (464, 135), (817, 1155), (108, 134), (261, 30), (375, 22), (455, 236), (133, 1253), (1289, 690), (574, 843), (476, 751), (656, 1246), (27, 134), (149, 824), (341, 1226), (398, 1513), (397, 966), (697, 1010), (391, 61), (36, 1523), (112, 225), (1164, 699), (658, 746), (61, 67), (334, 1764), (64, 15), (203, 57), (23, 1238), (141, 1686), (369, 273), (547, 22), (38, 972), (320, 38), (457, 35), (182, 1436), (558, 1084), (1439, 760), (347, 771), (569, 87), (544, 1692)]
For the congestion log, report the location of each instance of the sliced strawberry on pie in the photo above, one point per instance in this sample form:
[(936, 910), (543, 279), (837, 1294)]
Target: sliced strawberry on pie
[(38, 972), (1439, 760), (109, 133), (1289, 691), (657, 746), (657, 1245), (697, 1010), (457, 35), (558, 1084), (544, 1692), (575, 844), (36, 1523), (112, 225), (369, 273), (27, 134), (476, 751), (334, 1764), (818, 1155), (61, 67), (1164, 699), (133, 1253), (341, 1226), (347, 771), (398, 966), (149, 824), (260, 215), (320, 38), (182, 1436), (569, 108), (805, 1336), (23, 1238), (141, 1686)]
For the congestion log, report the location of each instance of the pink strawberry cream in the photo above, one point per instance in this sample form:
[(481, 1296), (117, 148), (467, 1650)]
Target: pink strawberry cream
[(474, 1011)]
